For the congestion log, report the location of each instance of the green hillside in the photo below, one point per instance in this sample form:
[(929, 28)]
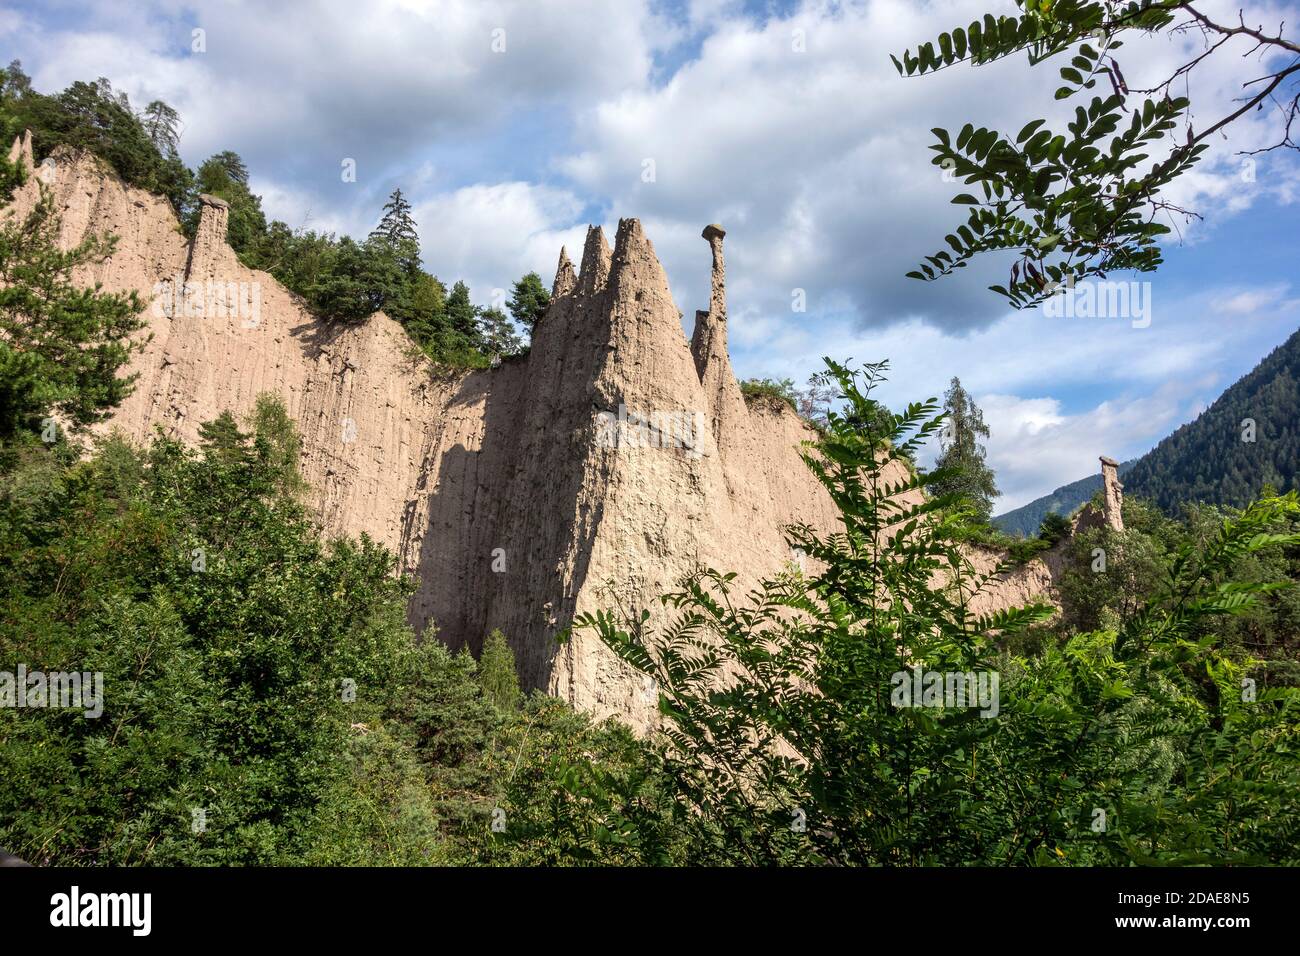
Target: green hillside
[(1220, 458), (1026, 519), (1216, 458)]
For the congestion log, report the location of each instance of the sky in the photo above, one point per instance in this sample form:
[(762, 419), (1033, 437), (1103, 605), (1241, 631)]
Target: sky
[(512, 125)]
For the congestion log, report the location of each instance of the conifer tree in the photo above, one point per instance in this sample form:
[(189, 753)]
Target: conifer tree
[(225, 176), (161, 123), (61, 347), (396, 225), (963, 455), (496, 672), (498, 334), (398, 232), (461, 314), (528, 300), (222, 441)]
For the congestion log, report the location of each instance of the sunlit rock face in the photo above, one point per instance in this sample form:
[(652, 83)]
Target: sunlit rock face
[(611, 460)]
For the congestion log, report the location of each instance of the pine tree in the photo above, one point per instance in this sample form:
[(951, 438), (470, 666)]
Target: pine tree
[(498, 334), (223, 442), (397, 229), (233, 164), (61, 347), (161, 123), (496, 672), (461, 314), (963, 454), (528, 300), (396, 225), (226, 177)]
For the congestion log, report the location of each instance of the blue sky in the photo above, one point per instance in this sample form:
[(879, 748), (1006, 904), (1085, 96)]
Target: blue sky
[(784, 121)]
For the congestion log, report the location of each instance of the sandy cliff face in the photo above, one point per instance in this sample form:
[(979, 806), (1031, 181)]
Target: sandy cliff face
[(611, 460)]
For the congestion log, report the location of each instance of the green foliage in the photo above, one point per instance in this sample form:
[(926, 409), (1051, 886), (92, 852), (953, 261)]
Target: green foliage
[(787, 737), (255, 679), (61, 346), (781, 390), (528, 300), (1109, 577), (396, 226), (226, 177), (277, 445), (12, 175), (1264, 637), (569, 791), (496, 672), (498, 333), (962, 459), (224, 630), (223, 442), (1054, 527), (162, 125), (1018, 550), (94, 117), (1082, 201), (397, 229), (250, 671), (461, 314)]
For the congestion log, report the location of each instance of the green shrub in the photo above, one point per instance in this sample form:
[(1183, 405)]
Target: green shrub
[(789, 737)]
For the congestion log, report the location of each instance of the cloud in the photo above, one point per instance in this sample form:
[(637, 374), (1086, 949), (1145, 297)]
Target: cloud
[(1250, 301), (785, 122), (1040, 448), (490, 235), (796, 133), (1056, 392), (296, 90)]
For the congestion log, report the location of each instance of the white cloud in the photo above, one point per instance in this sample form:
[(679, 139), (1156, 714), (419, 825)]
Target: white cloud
[(1040, 449), (295, 88), (490, 235), (1249, 301), (816, 161)]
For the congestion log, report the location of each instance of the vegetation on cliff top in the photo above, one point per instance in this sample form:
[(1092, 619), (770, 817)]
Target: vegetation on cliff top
[(340, 278)]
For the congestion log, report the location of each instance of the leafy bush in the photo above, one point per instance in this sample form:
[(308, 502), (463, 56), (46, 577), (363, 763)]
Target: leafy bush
[(781, 390), (789, 737)]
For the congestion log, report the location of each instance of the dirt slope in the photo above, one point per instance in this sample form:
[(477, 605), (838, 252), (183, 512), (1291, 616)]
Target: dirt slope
[(612, 459)]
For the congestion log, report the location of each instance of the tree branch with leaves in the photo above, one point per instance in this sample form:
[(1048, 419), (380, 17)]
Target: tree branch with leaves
[(1089, 200)]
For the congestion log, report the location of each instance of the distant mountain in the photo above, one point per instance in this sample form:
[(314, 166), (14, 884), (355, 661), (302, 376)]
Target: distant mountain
[(1248, 438), (1026, 519)]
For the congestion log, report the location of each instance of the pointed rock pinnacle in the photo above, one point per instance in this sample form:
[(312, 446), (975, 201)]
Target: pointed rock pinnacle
[(595, 262), (565, 279), (21, 151)]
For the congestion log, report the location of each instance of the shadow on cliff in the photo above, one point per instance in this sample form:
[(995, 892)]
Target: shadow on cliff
[(502, 545), (319, 334)]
